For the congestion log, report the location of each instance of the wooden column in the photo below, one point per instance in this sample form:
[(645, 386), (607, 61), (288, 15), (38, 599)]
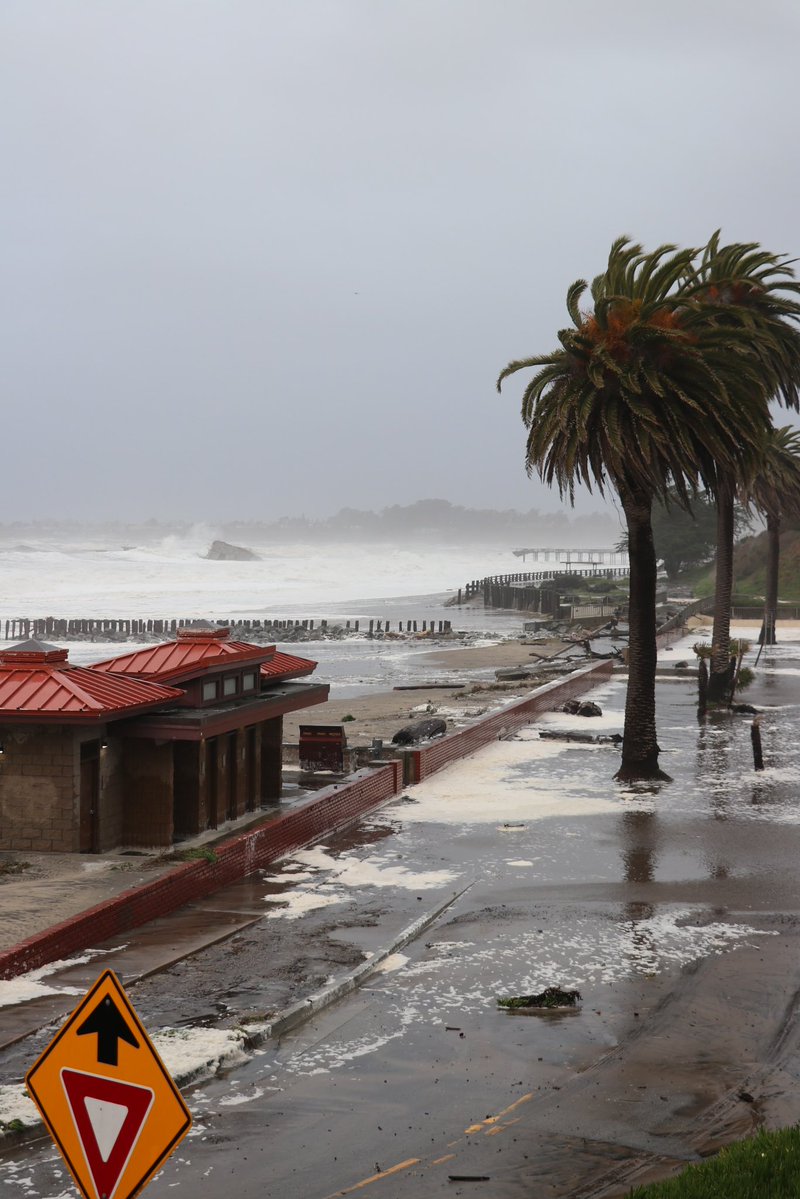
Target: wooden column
[(271, 759)]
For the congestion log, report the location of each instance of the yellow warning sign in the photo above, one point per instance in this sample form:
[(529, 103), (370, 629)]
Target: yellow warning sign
[(106, 1096)]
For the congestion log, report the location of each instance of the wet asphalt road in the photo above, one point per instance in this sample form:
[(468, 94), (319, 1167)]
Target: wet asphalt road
[(676, 914)]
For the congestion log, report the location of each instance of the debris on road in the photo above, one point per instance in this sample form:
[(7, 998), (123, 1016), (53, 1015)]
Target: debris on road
[(550, 997)]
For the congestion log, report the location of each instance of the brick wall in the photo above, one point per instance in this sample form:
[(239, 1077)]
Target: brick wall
[(425, 761), (38, 789), (327, 811)]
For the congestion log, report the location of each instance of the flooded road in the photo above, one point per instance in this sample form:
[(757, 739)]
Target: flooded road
[(675, 911)]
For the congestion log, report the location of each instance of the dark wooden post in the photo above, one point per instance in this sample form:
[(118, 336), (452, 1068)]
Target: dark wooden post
[(755, 737)]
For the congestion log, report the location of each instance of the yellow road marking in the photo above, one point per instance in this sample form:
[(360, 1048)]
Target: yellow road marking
[(365, 1182), (494, 1119), (413, 1161), (523, 1099)]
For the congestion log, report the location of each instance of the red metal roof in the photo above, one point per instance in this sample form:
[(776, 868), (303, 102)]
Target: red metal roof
[(286, 666), (36, 680), (192, 652)]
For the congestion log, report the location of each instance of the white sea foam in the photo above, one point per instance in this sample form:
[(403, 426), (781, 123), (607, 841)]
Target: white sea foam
[(172, 578), (335, 879), (291, 905), (507, 781), (395, 961), (32, 985), (190, 1053)]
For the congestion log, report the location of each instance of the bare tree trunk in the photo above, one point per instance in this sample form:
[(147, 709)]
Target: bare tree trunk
[(719, 677), (639, 744)]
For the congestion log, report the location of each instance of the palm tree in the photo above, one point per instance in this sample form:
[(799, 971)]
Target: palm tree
[(775, 491), (645, 393), (743, 287)]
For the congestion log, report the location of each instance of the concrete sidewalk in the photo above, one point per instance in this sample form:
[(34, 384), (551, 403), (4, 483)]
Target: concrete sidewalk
[(35, 887)]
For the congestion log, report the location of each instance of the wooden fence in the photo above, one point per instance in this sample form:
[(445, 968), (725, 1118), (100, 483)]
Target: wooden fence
[(100, 628), (516, 588)]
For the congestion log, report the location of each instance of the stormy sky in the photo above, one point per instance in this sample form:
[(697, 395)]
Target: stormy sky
[(265, 258)]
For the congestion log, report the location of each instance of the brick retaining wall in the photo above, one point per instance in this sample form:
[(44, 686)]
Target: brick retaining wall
[(444, 750), (328, 811)]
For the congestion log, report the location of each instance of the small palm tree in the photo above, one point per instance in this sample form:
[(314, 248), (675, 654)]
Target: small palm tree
[(744, 288), (644, 393), (775, 491)]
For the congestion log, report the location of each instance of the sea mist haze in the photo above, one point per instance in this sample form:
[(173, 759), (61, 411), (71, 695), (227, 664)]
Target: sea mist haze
[(168, 577)]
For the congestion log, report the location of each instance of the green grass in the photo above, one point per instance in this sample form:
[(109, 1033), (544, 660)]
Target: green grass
[(766, 1166), (200, 853)]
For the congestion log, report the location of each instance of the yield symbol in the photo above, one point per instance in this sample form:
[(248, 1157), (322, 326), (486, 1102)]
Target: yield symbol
[(110, 1027), (116, 1121), (108, 1117)]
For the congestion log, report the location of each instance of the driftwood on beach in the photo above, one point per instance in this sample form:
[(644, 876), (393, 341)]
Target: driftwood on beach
[(421, 730), (428, 686)]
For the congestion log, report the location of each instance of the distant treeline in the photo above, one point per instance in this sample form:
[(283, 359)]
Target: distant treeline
[(425, 520), (433, 520)]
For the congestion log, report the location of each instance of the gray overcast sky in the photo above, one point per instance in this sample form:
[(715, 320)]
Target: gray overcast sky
[(268, 257)]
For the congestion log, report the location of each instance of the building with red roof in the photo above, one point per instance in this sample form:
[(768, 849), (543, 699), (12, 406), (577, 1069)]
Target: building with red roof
[(144, 748)]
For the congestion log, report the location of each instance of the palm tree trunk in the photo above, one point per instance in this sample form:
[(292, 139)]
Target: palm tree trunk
[(639, 744), (773, 568), (719, 678)]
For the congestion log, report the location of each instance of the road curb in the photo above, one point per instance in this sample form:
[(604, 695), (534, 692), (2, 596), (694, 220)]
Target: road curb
[(304, 1009), (287, 1020)]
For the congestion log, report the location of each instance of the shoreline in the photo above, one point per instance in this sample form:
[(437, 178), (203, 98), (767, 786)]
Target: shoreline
[(380, 713)]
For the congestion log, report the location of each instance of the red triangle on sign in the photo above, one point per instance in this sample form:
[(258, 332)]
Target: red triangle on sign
[(109, 1117)]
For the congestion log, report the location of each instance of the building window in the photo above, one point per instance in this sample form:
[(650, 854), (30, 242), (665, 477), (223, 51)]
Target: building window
[(248, 681), (210, 690), (229, 686)]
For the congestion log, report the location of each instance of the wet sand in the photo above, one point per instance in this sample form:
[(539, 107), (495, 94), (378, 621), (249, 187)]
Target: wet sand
[(381, 713)]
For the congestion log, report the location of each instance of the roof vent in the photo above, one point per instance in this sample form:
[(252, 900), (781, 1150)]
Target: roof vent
[(203, 630), (25, 653)]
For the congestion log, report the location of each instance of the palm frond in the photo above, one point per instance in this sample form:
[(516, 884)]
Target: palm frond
[(573, 296), (666, 382)]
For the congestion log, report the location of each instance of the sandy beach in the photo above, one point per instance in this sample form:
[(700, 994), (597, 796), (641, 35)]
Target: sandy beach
[(380, 714)]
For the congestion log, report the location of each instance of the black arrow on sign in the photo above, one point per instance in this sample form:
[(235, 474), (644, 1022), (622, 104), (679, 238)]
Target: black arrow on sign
[(110, 1027)]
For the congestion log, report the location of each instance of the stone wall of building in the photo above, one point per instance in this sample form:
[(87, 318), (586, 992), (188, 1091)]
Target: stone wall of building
[(39, 788)]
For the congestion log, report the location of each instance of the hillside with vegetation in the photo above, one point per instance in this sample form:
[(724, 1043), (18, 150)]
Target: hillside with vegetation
[(750, 567)]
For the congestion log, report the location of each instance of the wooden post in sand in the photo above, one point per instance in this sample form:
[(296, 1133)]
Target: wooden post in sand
[(755, 737)]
